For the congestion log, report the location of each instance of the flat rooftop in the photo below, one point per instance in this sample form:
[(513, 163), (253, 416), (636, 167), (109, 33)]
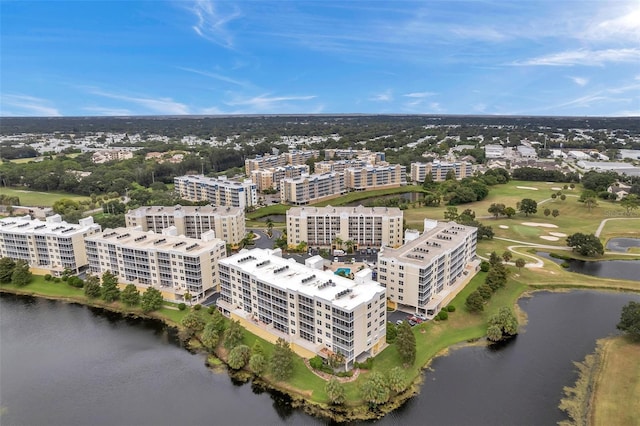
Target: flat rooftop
[(289, 275), (430, 245), (186, 210), (52, 226), (377, 211)]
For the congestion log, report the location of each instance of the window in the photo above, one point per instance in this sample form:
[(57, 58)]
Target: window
[(369, 324)]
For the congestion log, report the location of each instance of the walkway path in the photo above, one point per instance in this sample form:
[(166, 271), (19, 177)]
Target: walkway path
[(604, 222)]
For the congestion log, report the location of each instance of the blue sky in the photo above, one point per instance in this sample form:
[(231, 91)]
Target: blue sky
[(548, 57)]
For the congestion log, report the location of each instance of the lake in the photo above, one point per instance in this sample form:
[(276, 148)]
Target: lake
[(65, 364), (621, 269), (622, 244)]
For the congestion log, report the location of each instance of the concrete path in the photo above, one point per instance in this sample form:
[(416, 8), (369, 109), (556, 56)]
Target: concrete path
[(604, 222)]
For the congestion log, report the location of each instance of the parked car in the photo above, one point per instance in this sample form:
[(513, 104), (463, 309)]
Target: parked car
[(335, 259), (399, 322), (412, 323)]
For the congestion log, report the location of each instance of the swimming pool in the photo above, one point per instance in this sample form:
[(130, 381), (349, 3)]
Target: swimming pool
[(346, 271)]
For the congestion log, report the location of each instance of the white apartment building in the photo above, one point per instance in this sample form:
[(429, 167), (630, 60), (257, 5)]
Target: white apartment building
[(337, 166), (173, 265), (293, 158), (493, 151), (421, 274), (228, 223), (374, 177), (270, 178), (217, 191), (106, 155), (439, 170), (50, 246), (312, 188), (316, 311), (363, 154), (365, 227)]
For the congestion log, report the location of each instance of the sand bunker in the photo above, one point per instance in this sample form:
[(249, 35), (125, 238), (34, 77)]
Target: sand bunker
[(556, 188), (503, 227), (548, 238), (558, 234), (528, 187), (542, 225)]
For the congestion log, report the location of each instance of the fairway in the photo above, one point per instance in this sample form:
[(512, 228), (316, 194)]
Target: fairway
[(38, 198)]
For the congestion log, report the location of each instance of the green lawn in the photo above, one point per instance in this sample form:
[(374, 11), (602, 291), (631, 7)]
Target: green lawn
[(363, 195), (39, 199)]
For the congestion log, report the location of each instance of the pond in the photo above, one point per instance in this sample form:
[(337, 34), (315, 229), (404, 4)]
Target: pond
[(622, 244), (620, 269), (65, 364)]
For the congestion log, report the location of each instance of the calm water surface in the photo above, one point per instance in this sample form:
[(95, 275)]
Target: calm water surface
[(622, 244), (621, 269), (65, 364)]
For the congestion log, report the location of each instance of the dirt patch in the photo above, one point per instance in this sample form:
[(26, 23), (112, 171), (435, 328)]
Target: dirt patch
[(542, 225)]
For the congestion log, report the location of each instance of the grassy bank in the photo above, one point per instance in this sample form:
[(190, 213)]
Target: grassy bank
[(36, 198)]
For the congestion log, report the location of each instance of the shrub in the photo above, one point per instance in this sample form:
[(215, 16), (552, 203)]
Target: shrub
[(197, 307), (56, 280), (367, 365), (565, 264), (65, 278), (211, 310), (182, 306), (485, 266), (451, 308), (75, 282), (345, 373), (316, 362), (443, 315), (48, 277)]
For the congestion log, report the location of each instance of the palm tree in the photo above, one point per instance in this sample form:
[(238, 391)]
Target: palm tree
[(338, 242), (349, 245), (269, 227)]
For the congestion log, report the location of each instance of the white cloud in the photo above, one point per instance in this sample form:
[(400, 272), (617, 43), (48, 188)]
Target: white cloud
[(385, 96), (216, 76), (28, 106), (157, 105), (266, 103), (114, 112), (212, 23), (419, 95), (621, 28), (584, 57), (580, 81)]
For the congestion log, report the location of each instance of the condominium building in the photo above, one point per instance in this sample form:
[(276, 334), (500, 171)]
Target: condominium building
[(318, 312), (51, 245), (174, 265), (293, 158), (312, 188), (422, 274), (270, 178), (439, 170), (337, 166), (296, 158), (363, 154), (373, 177), (364, 227), (217, 191), (228, 223)]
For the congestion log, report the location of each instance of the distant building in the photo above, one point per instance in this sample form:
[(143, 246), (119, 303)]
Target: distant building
[(633, 154), (439, 170), (51, 246), (421, 274), (364, 226), (228, 223), (106, 155), (620, 189), (526, 151), (316, 311), (270, 178), (217, 191), (293, 158), (173, 265), (578, 155), (493, 151), (312, 188)]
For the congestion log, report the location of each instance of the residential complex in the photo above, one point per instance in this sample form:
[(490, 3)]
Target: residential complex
[(362, 154), (106, 155), (270, 178), (364, 227), (439, 170), (337, 166), (375, 177), (311, 188), (293, 158), (174, 265), (316, 311), (228, 223), (217, 191), (420, 275), (50, 246)]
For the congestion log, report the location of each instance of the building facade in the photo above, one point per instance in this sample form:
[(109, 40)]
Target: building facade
[(52, 245), (438, 170), (375, 177), (316, 311), (270, 178), (312, 188), (217, 191), (421, 274), (293, 158), (364, 227), (173, 265), (228, 223)]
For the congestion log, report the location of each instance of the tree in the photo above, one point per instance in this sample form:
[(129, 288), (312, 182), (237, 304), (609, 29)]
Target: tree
[(21, 274), (406, 343), (494, 259), (282, 360), (451, 175), (210, 336), (451, 214), (219, 323), (630, 202), (92, 287), (337, 241), (590, 203), (6, 269), (375, 389), (335, 391), (563, 197), (269, 227), (109, 290), (233, 336), (547, 212), (396, 379), (130, 296), (474, 302), (555, 212), (506, 322), (187, 297), (509, 212), (554, 195), (630, 319), (392, 332), (151, 300), (520, 262), (239, 357), (496, 209), (258, 364), (193, 322), (528, 206), (485, 291), (507, 256), (586, 244)]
